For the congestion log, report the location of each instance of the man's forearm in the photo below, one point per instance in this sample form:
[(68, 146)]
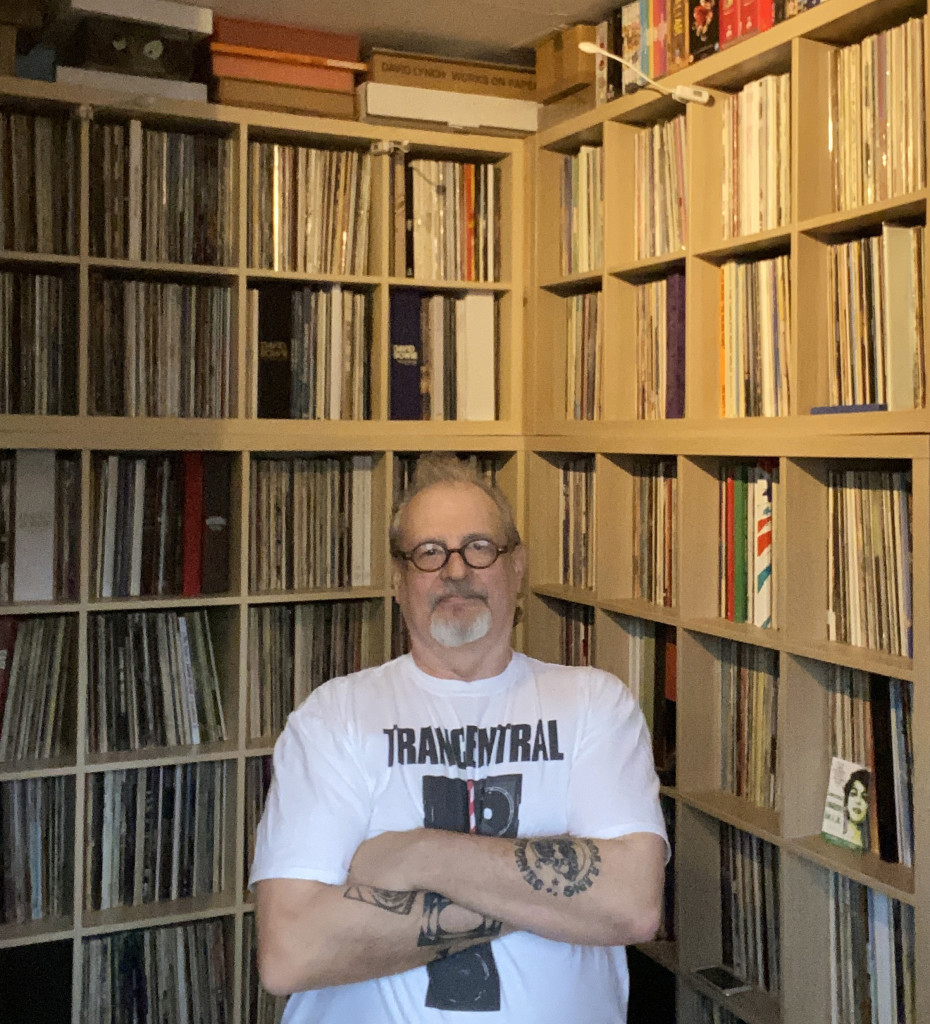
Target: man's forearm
[(566, 888), (313, 935)]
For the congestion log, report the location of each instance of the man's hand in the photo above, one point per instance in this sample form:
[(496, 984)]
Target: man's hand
[(385, 861)]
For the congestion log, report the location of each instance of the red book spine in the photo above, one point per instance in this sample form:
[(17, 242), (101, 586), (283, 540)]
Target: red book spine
[(660, 39), (748, 17), (192, 524), (671, 667), (766, 14), (729, 22), (731, 550)]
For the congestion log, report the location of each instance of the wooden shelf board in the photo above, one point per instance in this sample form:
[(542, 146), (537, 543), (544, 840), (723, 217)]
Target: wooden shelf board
[(637, 608), (845, 223), (365, 282), (41, 608), (663, 951), (328, 594), (262, 748), (775, 241), (735, 811), (649, 268), (752, 1007), (116, 919), (790, 437), (151, 757), (741, 632), (152, 268), (449, 286), (47, 261), (878, 662), (151, 604), (574, 284), (561, 592), (895, 880), (141, 433), (55, 929), (47, 768)]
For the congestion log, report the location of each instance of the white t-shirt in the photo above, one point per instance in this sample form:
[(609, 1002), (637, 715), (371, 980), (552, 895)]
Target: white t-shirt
[(550, 750)]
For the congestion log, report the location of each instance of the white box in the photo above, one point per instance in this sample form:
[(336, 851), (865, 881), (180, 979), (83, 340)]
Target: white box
[(137, 85), (380, 102), (196, 20)]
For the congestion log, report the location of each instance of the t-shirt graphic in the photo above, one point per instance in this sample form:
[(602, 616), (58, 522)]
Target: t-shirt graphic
[(468, 980)]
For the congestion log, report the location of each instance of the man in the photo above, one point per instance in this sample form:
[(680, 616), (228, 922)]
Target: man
[(463, 833)]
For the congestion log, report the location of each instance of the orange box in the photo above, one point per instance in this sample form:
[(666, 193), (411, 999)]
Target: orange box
[(289, 38)]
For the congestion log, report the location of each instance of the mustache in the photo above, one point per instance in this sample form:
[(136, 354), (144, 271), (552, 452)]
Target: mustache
[(458, 588)]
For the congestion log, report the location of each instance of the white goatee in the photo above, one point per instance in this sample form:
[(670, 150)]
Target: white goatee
[(450, 633)]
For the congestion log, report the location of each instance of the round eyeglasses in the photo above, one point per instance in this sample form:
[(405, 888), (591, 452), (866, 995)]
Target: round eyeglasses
[(432, 555)]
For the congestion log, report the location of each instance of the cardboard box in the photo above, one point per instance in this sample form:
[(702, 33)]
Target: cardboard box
[(561, 68), (426, 72), (8, 49), (266, 35), (237, 92), (575, 103), (21, 13), (132, 48), (384, 103)]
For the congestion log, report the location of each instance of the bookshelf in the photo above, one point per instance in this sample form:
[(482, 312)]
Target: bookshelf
[(226, 623), (790, 247)]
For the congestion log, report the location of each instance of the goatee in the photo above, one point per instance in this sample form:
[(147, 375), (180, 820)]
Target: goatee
[(452, 633)]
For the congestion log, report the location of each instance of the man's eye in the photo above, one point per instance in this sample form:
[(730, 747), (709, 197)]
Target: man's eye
[(480, 544), (429, 551)]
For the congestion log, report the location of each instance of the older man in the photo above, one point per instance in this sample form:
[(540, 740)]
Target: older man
[(463, 830)]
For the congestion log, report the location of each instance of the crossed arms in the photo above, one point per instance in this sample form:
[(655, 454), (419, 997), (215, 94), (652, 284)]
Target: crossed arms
[(413, 897)]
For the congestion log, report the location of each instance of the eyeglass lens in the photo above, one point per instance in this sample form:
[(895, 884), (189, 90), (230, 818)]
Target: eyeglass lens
[(431, 556)]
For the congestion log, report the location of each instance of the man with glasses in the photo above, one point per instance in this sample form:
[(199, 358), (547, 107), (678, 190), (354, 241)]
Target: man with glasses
[(463, 830)]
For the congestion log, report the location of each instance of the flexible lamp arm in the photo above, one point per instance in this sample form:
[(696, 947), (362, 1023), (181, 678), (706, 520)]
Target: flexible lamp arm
[(682, 93)]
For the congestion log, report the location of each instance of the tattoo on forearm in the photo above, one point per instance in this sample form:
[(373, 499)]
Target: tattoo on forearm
[(433, 930), (559, 865), (396, 901)]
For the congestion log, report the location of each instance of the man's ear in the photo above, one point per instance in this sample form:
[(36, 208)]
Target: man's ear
[(518, 563)]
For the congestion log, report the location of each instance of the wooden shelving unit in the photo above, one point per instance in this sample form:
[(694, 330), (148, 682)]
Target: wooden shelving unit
[(244, 438), (804, 448)]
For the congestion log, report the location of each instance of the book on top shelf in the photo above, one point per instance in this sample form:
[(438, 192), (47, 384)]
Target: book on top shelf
[(184, 16)]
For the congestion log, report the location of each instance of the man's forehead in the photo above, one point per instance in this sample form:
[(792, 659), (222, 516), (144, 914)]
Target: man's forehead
[(450, 507)]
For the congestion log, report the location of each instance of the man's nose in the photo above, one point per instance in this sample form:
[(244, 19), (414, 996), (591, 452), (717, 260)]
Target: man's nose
[(456, 568)]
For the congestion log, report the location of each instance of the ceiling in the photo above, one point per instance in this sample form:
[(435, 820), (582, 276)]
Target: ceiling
[(501, 30)]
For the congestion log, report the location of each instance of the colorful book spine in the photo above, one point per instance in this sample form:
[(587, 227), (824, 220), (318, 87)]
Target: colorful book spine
[(729, 22), (762, 487), (677, 46)]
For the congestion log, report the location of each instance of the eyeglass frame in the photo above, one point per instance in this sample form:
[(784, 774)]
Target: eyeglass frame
[(407, 556)]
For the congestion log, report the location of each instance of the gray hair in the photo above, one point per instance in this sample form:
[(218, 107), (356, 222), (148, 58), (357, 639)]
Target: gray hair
[(447, 468)]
